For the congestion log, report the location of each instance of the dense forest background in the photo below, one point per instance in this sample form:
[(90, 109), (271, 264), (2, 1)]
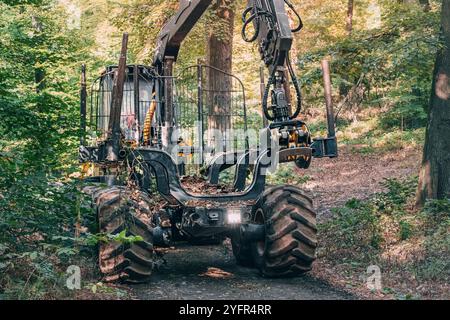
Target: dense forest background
[(382, 54)]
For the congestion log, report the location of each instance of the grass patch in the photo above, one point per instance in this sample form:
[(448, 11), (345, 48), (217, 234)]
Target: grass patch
[(286, 174), (376, 140)]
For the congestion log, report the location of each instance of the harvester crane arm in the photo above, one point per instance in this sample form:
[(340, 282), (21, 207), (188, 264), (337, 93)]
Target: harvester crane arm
[(177, 28), (273, 32)]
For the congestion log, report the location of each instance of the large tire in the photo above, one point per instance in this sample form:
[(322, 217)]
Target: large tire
[(291, 233), (120, 209)]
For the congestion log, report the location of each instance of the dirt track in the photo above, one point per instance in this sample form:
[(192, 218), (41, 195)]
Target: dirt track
[(331, 184), (185, 276)]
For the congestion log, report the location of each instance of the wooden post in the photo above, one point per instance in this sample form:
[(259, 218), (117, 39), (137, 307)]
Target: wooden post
[(83, 95), (137, 116), (328, 98), (168, 103), (200, 110), (113, 145)]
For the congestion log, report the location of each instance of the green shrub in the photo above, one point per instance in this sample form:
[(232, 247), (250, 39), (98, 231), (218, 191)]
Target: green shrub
[(406, 230), (354, 225), (397, 195), (357, 225), (405, 116)]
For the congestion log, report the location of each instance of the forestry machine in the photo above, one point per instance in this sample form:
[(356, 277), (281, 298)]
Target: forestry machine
[(173, 157)]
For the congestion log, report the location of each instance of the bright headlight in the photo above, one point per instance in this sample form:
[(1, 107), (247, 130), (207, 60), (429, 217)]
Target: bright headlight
[(234, 216)]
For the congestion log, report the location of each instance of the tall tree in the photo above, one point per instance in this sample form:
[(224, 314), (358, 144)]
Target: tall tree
[(219, 50), (434, 178), (343, 86)]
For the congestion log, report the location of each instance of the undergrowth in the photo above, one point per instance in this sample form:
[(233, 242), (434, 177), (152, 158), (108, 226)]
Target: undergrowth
[(387, 231)]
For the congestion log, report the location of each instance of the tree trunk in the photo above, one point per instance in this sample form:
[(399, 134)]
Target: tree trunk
[(219, 55), (343, 87), (39, 72), (434, 178), (349, 26)]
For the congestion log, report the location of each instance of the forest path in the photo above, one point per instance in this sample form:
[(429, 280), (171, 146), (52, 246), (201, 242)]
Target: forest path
[(332, 182), (210, 272)]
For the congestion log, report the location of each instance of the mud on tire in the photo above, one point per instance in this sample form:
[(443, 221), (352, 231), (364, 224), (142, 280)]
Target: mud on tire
[(291, 233), (120, 209)]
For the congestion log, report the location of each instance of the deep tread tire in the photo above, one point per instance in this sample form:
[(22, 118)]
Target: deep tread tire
[(291, 233), (118, 210)]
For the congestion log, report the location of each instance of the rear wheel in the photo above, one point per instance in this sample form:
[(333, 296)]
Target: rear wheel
[(119, 209), (290, 242)]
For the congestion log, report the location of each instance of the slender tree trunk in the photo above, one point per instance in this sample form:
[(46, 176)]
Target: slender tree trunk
[(434, 178), (343, 87), (39, 72), (349, 26), (219, 55)]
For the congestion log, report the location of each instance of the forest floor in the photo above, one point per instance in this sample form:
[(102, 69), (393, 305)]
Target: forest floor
[(210, 273), (332, 182)]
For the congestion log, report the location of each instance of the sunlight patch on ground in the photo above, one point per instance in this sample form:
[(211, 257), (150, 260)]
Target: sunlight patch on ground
[(217, 273)]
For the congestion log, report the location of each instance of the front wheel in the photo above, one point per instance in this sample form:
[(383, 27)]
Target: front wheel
[(118, 210), (290, 242)]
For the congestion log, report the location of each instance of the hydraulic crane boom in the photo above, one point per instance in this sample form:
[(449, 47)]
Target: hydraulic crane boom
[(273, 28), (177, 28), (272, 31), (269, 17)]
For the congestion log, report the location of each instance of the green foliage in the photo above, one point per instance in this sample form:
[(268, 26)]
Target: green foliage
[(406, 230), (39, 61), (358, 224), (287, 174), (397, 195), (355, 225), (406, 115), (379, 140), (39, 92), (362, 231), (437, 208), (436, 218), (387, 66), (120, 237)]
